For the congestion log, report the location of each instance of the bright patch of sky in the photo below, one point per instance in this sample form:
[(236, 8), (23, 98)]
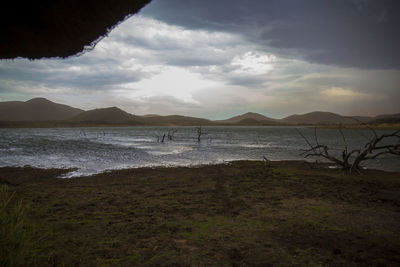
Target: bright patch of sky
[(171, 81), (254, 63)]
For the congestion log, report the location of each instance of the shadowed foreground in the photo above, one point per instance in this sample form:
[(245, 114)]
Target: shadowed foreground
[(241, 213)]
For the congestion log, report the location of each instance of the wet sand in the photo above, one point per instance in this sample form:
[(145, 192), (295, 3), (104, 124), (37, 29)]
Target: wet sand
[(243, 213)]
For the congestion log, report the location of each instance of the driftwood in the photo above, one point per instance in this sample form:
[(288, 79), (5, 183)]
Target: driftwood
[(351, 160)]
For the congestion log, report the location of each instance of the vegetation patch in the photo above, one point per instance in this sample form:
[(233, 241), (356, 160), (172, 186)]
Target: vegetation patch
[(15, 242), (242, 213)]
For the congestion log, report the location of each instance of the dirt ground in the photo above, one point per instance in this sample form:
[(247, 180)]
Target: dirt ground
[(239, 214)]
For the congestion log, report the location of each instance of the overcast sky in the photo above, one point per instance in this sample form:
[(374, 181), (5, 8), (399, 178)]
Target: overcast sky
[(220, 58)]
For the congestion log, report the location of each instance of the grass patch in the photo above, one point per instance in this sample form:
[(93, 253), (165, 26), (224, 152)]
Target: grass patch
[(15, 242)]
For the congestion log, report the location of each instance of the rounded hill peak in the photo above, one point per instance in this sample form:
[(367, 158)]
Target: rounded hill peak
[(38, 100)]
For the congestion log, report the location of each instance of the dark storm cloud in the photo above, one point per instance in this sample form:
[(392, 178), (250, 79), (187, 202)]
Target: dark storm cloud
[(350, 33)]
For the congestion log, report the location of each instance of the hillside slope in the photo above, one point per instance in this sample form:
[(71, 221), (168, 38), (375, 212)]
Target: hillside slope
[(36, 109), (249, 118), (105, 115), (320, 117)]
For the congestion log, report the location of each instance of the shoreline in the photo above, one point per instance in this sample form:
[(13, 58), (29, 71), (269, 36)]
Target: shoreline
[(64, 171), (61, 125)]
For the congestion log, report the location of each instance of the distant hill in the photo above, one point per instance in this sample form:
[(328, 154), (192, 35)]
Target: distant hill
[(116, 115), (249, 118), (254, 122), (320, 117), (40, 112), (175, 120), (105, 115), (360, 119), (36, 109), (9, 104), (386, 118)]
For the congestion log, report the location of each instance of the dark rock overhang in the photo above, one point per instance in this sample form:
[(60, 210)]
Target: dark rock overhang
[(59, 28)]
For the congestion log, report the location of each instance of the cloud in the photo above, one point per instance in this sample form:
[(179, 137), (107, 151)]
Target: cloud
[(252, 63), (341, 92), (141, 49), (56, 73), (350, 33), (220, 67), (154, 42), (171, 81)]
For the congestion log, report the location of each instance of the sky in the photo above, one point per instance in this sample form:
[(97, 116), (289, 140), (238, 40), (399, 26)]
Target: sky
[(220, 58)]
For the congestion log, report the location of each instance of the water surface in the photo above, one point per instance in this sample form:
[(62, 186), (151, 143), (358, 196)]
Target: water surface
[(94, 150)]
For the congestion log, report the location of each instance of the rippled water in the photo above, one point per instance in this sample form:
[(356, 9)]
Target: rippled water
[(94, 150)]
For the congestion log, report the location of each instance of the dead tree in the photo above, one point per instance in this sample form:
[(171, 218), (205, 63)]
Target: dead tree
[(160, 138), (199, 133), (171, 134), (351, 160)]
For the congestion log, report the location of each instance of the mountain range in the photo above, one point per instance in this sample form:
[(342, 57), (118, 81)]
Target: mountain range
[(40, 110)]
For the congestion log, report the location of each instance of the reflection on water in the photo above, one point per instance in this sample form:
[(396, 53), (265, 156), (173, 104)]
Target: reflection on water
[(94, 150)]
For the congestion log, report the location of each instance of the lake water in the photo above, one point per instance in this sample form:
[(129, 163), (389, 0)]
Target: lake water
[(94, 150)]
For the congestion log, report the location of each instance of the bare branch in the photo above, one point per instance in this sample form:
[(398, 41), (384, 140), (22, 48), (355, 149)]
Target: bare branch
[(343, 137), (316, 138), (370, 151), (308, 142), (199, 133)]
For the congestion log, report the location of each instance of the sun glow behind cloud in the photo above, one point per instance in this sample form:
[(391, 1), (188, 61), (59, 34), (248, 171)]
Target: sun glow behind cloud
[(170, 81)]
